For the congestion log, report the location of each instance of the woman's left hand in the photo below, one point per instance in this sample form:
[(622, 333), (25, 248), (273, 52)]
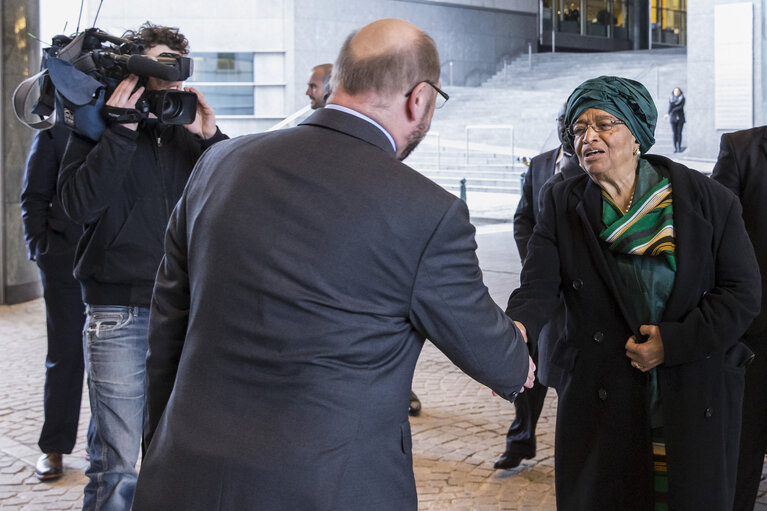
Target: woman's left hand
[(649, 354)]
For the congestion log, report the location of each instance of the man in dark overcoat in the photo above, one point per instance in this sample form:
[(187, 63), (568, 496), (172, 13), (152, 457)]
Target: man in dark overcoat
[(742, 167), (304, 268), (551, 166), (51, 238)]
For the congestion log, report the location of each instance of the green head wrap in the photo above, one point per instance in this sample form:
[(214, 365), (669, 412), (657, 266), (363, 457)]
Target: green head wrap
[(628, 100)]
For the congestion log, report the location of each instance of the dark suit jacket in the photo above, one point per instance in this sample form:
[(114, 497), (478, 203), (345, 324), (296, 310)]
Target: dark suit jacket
[(742, 167), (603, 455), (50, 235), (539, 176), (303, 270), (541, 170)]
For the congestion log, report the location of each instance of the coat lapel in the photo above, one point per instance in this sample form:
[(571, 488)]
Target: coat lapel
[(589, 209), (691, 231)]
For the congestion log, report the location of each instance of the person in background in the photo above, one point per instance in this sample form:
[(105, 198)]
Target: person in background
[(741, 168), (51, 238), (122, 189), (318, 86), (553, 165), (676, 116), (659, 282)]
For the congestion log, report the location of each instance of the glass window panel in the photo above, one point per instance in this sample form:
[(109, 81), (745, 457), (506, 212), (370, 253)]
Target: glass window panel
[(598, 17), (621, 17), (669, 21), (229, 99), (569, 16), (222, 67)]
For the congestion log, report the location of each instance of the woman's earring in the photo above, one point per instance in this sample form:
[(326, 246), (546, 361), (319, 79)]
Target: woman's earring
[(636, 151)]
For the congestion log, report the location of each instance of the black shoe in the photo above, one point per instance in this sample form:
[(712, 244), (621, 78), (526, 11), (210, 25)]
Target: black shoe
[(415, 405), (509, 460), (49, 467)]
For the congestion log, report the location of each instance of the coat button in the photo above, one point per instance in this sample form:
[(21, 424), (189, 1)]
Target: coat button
[(708, 413), (602, 395), (598, 337), (577, 284)]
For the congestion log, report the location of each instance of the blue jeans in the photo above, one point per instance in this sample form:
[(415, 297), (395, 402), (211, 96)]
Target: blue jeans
[(115, 344)]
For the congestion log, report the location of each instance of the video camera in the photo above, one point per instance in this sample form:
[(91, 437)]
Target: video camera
[(78, 75)]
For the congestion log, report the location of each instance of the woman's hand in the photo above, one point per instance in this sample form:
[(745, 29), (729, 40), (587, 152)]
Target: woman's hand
[(649, 354)]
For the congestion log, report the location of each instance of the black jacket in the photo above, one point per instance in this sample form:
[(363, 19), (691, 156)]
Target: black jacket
[(123, 189), (49, 233), (740, 167)]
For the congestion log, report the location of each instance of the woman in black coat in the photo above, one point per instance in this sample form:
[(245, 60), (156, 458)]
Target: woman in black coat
[(659, 282), (676, 116)]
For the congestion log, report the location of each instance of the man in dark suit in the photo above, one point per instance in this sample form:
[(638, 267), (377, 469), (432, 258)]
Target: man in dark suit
[(304, 268), (741, 167), (548, 167), (51, 239)]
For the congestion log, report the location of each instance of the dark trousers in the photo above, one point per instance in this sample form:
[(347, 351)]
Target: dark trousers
[(753, 436), (676, 127), (521, 436), (65, 317)]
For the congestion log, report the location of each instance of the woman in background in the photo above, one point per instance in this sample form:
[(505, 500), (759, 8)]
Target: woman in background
[(676, 116)]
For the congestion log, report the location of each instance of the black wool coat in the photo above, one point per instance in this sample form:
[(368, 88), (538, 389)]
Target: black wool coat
[(603, 449)]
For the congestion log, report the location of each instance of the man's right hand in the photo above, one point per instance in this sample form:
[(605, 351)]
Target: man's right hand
[(125, 97), (530, 375)]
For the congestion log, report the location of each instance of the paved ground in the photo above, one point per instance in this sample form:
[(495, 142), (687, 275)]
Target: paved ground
[(455, 440)]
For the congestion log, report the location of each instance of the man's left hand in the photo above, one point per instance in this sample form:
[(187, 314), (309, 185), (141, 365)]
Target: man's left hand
[(204, 124)]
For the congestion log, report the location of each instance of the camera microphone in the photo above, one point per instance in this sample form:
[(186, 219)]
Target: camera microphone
[(145, 66)]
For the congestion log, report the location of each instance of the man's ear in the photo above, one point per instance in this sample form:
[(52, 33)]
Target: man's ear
[(416, 101)]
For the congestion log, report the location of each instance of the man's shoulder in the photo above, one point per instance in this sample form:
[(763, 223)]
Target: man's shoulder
[(747, 137), (547, 155)]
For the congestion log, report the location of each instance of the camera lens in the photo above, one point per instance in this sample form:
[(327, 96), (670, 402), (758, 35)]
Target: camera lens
[(171, 107)]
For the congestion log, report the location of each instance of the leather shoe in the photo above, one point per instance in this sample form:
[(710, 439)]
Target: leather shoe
[(509, 460), (415, 405), (49, 467)]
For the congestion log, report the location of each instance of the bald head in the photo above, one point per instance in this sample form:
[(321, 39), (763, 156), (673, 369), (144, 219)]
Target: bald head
[(386, 57)]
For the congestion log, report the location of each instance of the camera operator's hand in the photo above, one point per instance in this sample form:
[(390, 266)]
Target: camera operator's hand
[(125, 97), (204, 124)]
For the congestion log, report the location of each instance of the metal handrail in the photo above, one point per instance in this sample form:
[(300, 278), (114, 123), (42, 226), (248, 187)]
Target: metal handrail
[(289, 119), (490, 126)]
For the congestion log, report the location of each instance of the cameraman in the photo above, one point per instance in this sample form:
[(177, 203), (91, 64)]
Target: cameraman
[(122, 189)]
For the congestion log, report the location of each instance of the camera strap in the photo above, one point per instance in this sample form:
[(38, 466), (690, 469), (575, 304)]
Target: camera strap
[(118, 115), (20, 96)]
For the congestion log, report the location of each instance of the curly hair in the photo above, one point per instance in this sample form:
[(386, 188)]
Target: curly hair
[(151, 35)]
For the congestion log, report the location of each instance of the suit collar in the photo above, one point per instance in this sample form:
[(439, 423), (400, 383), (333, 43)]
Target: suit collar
[(571, 168), (351, 125)]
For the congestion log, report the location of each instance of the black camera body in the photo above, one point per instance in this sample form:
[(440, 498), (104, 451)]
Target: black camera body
[(79, 74)]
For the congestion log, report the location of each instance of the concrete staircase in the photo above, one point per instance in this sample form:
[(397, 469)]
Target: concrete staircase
[(527, 97)]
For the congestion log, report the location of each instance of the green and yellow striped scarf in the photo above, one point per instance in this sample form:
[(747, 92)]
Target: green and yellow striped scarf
[(646, 229)]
